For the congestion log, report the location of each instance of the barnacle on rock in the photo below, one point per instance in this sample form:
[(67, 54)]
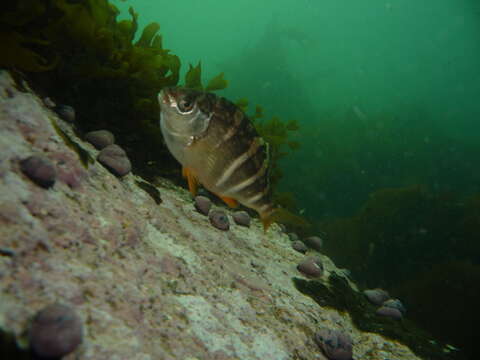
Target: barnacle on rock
[(40, 170)]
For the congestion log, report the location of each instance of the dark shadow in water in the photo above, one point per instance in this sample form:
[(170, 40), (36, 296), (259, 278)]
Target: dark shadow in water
[(339, 295)]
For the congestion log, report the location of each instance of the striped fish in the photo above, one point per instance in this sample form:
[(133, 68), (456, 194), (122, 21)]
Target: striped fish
[(218, 148)]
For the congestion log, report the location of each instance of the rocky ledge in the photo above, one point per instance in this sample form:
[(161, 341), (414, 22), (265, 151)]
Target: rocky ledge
[(109, 270)]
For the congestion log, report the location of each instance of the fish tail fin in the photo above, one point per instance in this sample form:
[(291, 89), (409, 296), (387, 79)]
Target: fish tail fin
[(282, 216), (267, 219)]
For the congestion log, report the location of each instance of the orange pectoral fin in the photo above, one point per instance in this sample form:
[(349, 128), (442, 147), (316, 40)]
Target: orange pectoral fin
[(229, 201), (192, 180)]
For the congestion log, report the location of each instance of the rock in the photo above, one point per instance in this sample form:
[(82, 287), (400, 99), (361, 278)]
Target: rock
[(242, 218), (299, 246), (389, 312), (100, 138), (311, 267), (114, 158), (335, 344), (56, 331), (314, 242), (203, 204), (219, 219), (40, 170), (376, 296), (66, 112)]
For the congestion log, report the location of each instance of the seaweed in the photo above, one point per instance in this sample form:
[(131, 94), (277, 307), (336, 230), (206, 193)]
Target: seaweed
[(277, 133), (21, 56), (148, 35), (193, 80), (242, 104), (90, 31), (79, 54), (217, 83), (421, 246), (411, 225)]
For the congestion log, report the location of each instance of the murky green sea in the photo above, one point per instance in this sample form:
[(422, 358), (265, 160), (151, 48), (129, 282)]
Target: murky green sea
[(386, 94)]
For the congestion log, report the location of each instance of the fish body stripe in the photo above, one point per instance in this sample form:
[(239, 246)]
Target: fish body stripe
[(253, 199), (265, 208), (247, 182), (239, 161), (237, 121)]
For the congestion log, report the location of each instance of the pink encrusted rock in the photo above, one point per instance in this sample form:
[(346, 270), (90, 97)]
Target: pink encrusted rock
[(69, 170), (114, 158), (170, 266), (100, 138), (335, 344)]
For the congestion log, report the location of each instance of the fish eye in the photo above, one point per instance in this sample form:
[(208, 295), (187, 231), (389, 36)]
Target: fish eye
[(185, 105)]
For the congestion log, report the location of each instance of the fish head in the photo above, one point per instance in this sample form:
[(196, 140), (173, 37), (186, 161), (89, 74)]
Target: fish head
[(184, 113)]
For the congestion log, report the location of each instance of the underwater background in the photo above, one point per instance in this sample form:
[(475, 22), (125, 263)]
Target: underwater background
[(371, 109), (385, 159)]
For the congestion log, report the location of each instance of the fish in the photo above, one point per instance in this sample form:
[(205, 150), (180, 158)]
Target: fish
[(218, 148)]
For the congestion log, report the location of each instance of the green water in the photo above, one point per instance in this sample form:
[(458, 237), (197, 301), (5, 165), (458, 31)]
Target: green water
[(386, 92), (387, 97)]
